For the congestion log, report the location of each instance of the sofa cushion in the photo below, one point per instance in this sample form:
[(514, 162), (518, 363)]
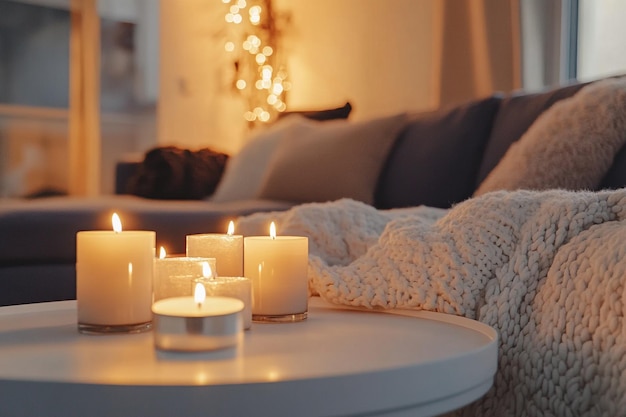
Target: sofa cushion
[(517, 112), (244, 171), (570, 146), (435, 159), (332, 160), (44, 230)]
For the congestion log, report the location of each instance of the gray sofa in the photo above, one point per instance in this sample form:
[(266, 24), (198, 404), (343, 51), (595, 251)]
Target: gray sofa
[(435, 159)]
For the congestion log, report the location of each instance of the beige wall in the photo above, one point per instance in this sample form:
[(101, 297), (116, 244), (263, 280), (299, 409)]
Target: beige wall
[(376, 54), (195, 107)]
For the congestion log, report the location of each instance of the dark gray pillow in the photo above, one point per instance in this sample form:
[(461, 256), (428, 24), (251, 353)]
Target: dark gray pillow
[(322, 115), (435, 160)]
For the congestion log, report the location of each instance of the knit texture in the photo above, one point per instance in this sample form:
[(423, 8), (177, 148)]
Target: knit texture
[(545, 269), (571, 145)]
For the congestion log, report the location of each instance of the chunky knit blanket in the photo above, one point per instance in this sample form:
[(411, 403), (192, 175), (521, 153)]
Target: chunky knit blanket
[(546, 269)]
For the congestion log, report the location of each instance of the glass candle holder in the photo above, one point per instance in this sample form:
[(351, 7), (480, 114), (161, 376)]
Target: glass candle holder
[(235, 287), (173, 276)]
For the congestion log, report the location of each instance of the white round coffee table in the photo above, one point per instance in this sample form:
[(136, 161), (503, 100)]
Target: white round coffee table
[(337, 362)]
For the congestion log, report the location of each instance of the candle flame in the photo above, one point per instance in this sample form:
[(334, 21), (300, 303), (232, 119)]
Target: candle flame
[(207, 272), (117, 223), (199, 294), (231, 228), (162, 253), (273, 230)]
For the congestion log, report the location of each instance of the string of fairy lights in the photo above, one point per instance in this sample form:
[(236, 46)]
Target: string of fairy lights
[(258, 75)]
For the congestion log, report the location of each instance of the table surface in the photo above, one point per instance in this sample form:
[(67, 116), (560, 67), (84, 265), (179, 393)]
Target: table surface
[(340, 361)]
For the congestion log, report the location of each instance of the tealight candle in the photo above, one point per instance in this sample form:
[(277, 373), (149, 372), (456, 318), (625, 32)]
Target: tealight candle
[(236, 287), (227, 249), (173, 276), (114, 279), (197, 323), (277, 267)]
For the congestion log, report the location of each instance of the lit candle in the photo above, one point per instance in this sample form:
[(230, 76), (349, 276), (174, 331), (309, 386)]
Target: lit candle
[(197, 323), (236, 287), (277, 267), (227, 249), (114, 279), (173, 276)]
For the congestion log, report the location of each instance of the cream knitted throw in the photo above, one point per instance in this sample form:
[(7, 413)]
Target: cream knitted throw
[(545, 269)]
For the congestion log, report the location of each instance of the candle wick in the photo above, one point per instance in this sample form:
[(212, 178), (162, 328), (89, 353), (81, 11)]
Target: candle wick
[(199, 306)]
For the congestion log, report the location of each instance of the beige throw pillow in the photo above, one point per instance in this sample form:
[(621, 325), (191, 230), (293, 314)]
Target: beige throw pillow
[(336, 159), (570, 146), (244, 171)]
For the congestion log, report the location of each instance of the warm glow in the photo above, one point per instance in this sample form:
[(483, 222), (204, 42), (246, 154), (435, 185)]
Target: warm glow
[(162, 253), (255, 40), (117, 223), (273, 375), (258, 62), (273, 230), (231, 228), (277, 89), (207, 272), (264, 116), (199, 294)]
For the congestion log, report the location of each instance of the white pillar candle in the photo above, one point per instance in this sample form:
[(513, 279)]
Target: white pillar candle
[(277, 267), (227, 249), (235, 287), (114, 272), (174, 275)]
